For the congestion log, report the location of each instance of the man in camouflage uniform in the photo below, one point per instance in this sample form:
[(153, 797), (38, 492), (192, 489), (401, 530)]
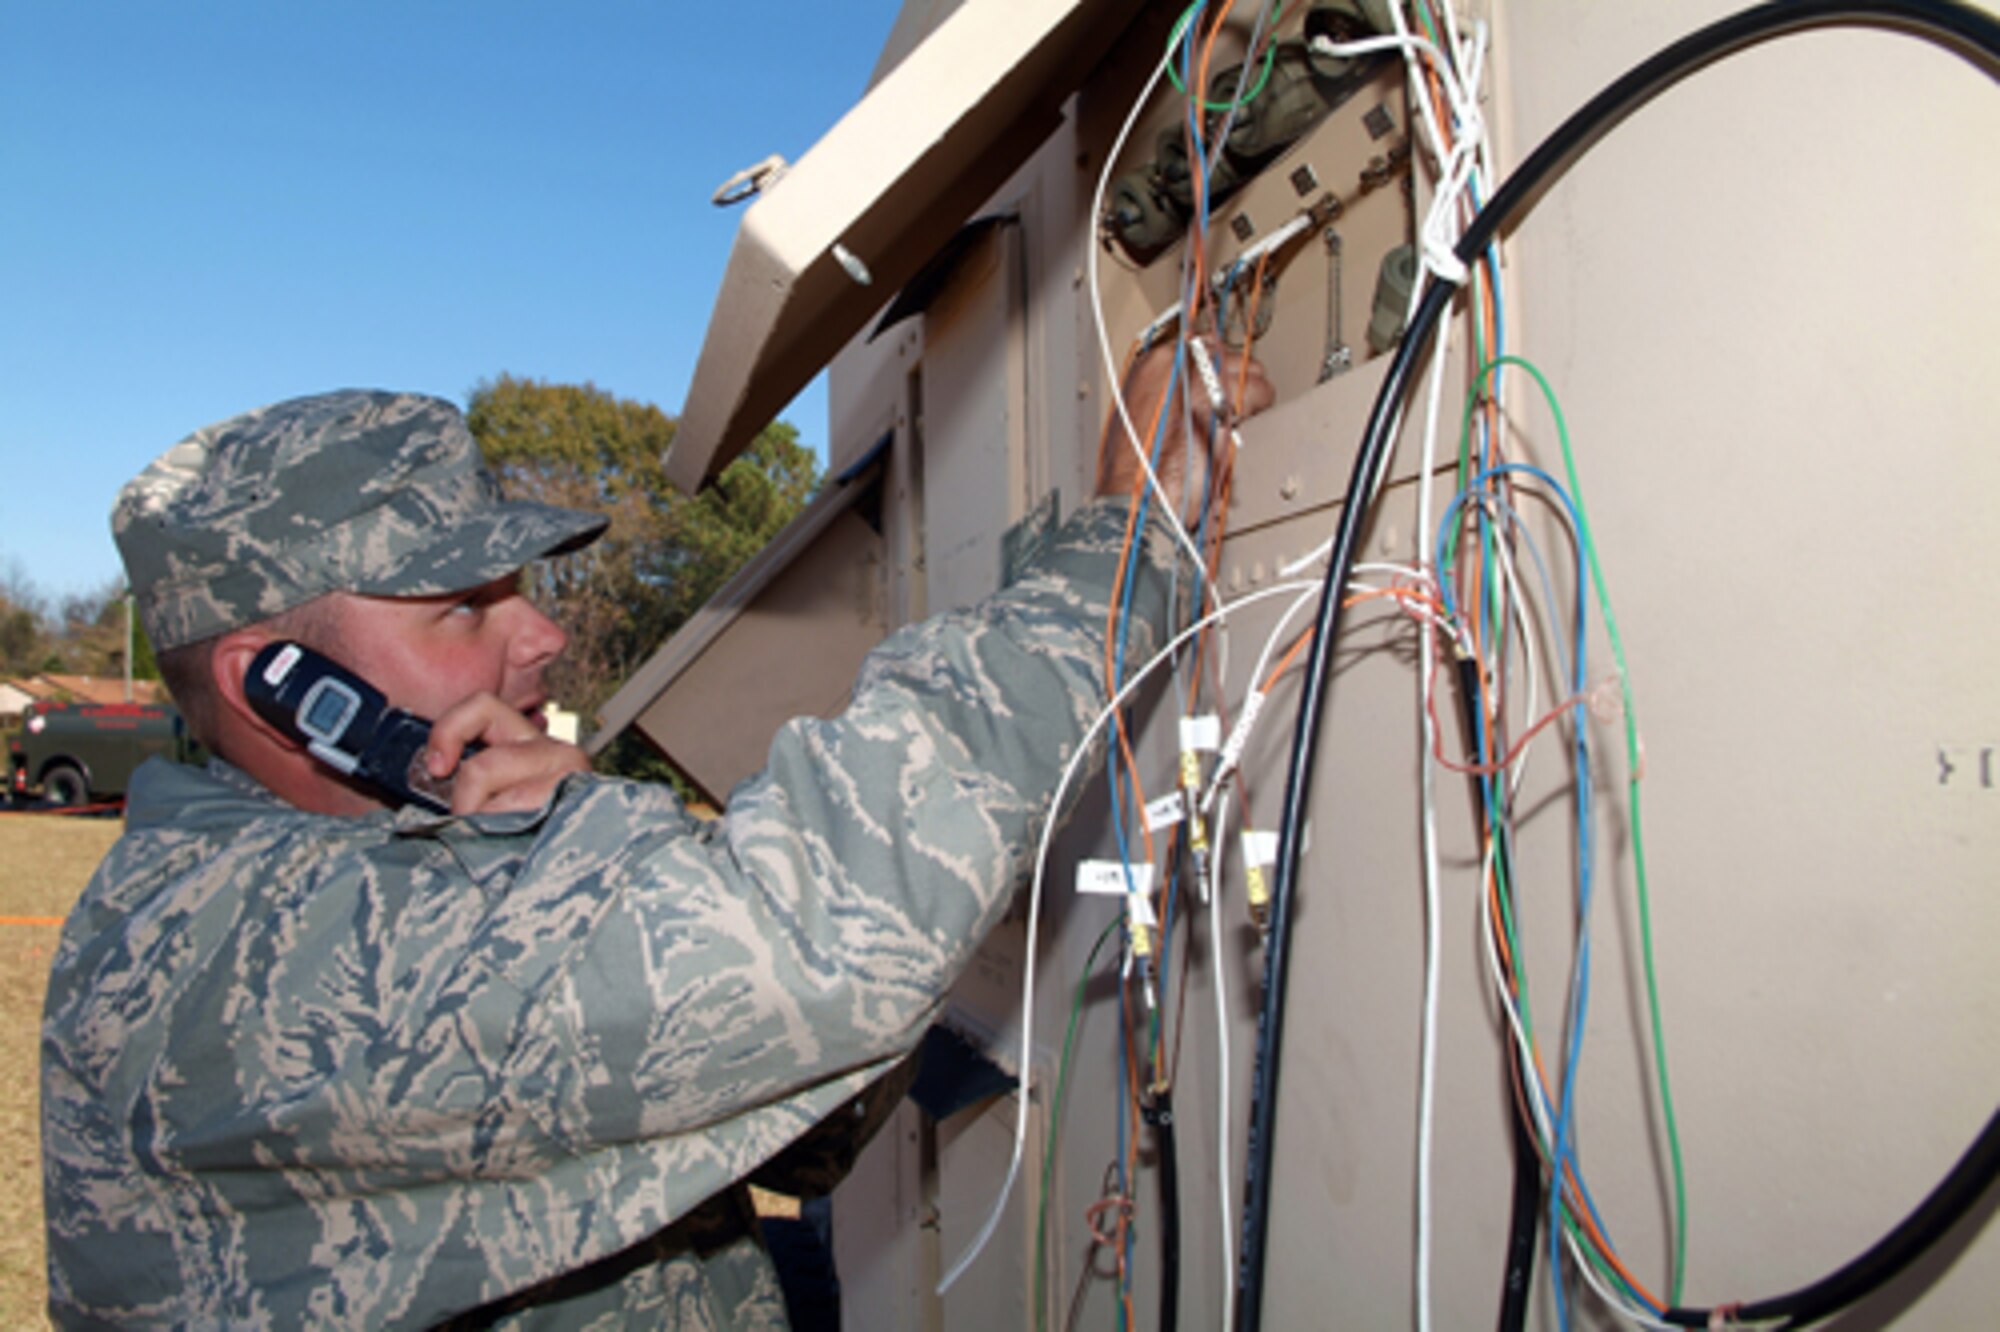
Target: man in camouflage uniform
[(311, 1061)]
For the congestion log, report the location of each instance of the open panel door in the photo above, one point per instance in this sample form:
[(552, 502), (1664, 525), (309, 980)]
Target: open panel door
[(843, 229)]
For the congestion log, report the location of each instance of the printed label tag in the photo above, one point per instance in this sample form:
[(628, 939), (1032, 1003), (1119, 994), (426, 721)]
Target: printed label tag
[(1110, 876), (1260, 848), (1201, 734)]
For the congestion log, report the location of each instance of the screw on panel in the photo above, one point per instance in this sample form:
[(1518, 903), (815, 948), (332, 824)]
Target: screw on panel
[(1242, 227), (1304, 181)]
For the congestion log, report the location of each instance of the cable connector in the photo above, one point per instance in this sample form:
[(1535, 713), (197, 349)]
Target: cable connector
[(1257, 892), (1139, 936), (1218, 404), (1190, 791), (1260, 852), (1204, 365), (1233, 747)]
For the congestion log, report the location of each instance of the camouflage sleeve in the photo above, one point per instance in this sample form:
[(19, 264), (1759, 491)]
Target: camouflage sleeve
[(679, 973)]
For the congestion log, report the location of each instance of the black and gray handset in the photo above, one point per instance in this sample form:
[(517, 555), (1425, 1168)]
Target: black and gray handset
[(346, 723)]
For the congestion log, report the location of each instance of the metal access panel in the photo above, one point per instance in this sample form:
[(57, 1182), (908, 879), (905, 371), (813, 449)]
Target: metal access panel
[(821, 581), (1302, 244), (975, 421)]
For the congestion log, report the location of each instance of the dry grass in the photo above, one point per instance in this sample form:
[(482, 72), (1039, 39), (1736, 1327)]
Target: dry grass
[(45, 860)]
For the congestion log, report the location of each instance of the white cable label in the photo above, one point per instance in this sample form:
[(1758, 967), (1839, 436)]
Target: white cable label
[(1112, 877), (1260, 849), (1165, 812), (1141, 908), (1202, 734)]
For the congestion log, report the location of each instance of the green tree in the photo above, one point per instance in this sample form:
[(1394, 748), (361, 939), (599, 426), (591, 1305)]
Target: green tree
[(711, 535), (145, 664), (24, 635), (664, 554), (93, 632), (21, 640)]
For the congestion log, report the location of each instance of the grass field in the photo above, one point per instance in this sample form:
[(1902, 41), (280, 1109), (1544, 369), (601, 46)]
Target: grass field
[(44, 861)]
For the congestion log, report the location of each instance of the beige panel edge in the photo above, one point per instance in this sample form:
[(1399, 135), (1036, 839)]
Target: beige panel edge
[(713, 620), (716, 718)]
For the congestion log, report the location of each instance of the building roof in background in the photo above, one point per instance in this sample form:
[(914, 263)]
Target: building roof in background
[(48, 687)]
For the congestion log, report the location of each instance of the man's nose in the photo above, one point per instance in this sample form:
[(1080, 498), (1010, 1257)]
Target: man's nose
[(536, 639)]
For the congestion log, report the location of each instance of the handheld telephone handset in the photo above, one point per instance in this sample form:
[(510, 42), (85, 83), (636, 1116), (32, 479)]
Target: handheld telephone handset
[(346, 723)]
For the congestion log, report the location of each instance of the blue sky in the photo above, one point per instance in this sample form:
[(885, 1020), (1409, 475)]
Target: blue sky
[(208, 206)]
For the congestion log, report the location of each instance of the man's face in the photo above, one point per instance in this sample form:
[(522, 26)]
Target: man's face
[(428, 654)]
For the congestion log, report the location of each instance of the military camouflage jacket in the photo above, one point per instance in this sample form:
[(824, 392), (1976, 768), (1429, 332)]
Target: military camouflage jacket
[(301, 1070)]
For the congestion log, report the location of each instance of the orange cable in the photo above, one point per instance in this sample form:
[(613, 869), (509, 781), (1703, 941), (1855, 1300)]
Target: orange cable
[(1501, 764), (1111, 626), (1580, 1214)]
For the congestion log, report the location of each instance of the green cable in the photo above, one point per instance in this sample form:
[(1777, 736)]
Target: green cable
[(1242, 98), (1055, 1118), (1425, 17), (1679, 1264)]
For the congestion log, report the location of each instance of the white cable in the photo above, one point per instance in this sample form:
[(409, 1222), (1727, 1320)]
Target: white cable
[(1419, 89), (1427, 799), (1224, 1140), (1624, 1308), (1035, 907), (1470, 53), (1427, 1078), (1299, 223), (1239, 734), (1457, 166), (1212, 384), (1275, 637)]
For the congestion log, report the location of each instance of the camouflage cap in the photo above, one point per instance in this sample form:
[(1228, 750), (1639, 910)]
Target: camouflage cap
[(353, 491)]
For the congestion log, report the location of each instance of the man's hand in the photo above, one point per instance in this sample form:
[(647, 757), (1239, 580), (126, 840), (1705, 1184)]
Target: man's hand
[(517, 769), (1118, 469)]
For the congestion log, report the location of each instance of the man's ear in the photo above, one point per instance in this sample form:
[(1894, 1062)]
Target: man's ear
[(227, 666)]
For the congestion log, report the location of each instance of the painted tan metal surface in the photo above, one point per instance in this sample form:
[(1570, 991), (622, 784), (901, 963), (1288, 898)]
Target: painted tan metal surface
[(821, 582)]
